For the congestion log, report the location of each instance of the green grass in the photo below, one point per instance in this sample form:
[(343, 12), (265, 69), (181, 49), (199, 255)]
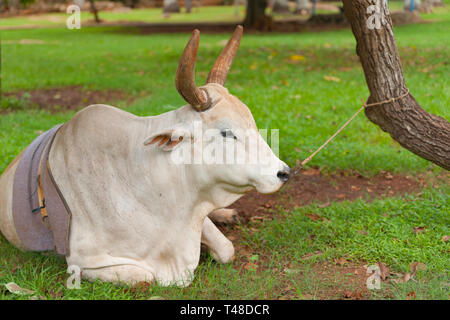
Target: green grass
[(283, 242), (155, 15), (292, 96)]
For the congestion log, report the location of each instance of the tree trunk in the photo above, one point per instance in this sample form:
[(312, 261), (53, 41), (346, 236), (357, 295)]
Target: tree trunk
[(170, 6), (94, 11), (256, 17), (14, 6), (188, 4), (422, 133), (280, 6)]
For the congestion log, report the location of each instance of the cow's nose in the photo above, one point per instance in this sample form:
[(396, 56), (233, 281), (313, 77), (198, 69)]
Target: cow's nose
[(283, 175)]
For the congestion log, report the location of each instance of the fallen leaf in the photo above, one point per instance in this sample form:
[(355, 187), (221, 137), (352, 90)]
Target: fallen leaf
[(355, 188), (445, 238), (405, 278), (331, 78), (411, 295), (341, 196), (257, 218), (384, 270), (251, 266), (297, 57), (311, 255), (313, 216), (268, 205), (389, 176), (326, 204), (341, 261), (348, 294), (418, 230), (417, 266), (156, 298), (14, 288)]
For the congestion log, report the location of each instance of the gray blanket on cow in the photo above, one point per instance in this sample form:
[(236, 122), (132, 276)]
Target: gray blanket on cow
[(34, 233)]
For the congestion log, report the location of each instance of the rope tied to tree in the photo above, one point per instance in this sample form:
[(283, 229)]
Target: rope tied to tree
[(300, 165)]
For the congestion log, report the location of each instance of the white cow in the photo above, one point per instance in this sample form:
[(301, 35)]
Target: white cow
[(137, 214)]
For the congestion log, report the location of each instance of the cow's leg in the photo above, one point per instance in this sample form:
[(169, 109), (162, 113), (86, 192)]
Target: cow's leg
[(128, 274), (226, 216), (220, 248)]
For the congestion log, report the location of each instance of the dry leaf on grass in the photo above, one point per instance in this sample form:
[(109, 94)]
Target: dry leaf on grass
[(417, 266), (341, 261), (251, 266), (331, 78), (405, 278), (326, 204), (418, 230), (445, 238), (14, 288), (311, 255), (357, 295), (313, 216), (384, 270), (297, 57)]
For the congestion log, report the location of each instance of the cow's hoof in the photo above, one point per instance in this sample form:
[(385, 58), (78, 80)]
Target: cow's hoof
[(225, 255), (224, 216)]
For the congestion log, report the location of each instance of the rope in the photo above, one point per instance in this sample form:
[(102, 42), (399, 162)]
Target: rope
[(301, 165)]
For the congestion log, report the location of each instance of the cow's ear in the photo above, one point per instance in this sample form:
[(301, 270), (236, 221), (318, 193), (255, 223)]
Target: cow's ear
[(167, 140)]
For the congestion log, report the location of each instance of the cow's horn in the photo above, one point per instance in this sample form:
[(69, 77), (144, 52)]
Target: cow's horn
[(185, 77), (223, 63)]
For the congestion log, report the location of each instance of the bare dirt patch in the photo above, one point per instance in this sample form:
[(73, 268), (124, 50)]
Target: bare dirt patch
[(339, 279), (68, 98), (312, 185)]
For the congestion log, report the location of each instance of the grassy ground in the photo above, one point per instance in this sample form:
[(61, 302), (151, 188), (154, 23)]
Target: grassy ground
[(154, 15), (283, 79)]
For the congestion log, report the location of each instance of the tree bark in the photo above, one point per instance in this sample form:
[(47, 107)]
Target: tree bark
[(256, 17), (422, 133), (188, 4), (94, 11)]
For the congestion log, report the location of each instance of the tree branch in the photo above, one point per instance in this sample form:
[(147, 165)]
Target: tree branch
[(422, 133)]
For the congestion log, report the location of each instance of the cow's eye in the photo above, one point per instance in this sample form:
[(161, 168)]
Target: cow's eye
[(226, 133)]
